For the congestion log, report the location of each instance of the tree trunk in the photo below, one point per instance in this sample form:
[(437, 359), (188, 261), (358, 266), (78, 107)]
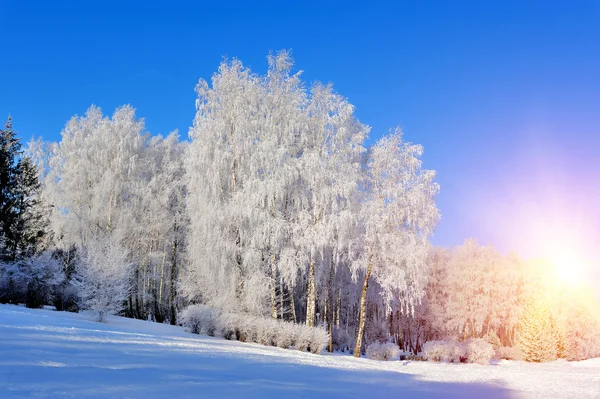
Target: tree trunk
[(293, 305), (281, 298), (363, 309), (329, 312), (273, 287), (162, 277), (173, 284), (338, 305), (310, 298)]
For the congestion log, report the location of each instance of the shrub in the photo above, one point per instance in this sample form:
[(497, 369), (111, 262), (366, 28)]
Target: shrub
[(479, 351), (341, 339), (444, 351), (65, 297), (266, 329), (319, 339), (199, 319), (383, 351), (508, 353), (202, 319), (474, 350), (32, 281), (284, 335), (302, 337), (247, 329), (493, 339), (226, 325)]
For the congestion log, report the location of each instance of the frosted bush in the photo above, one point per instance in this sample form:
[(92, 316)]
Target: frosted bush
[(199, 319), (266, 329), (479, 351), (582, 347), (302, 337), (493, 339), (319, 339), (284, 336), (444, 351), (247, 328), (474, 350), (383, 351), (341, 339), (508, 353), (32, 281), (226, 325), (203, 319)]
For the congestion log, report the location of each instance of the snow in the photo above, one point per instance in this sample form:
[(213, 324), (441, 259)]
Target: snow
[(48, 354)]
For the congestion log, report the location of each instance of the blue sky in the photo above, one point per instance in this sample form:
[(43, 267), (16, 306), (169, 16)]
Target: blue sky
[(504, 96)]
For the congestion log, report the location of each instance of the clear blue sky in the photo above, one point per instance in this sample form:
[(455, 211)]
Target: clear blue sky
[(505, 97)]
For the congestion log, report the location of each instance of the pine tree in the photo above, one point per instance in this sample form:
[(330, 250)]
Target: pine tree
[(537, 339), (10, 150), (23, 218), (31, 224)]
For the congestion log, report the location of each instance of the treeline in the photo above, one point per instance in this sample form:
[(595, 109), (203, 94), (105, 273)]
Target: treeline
[(521, 308), (273, 208)]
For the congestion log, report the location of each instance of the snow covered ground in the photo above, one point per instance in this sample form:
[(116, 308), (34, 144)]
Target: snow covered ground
[(46, 354)]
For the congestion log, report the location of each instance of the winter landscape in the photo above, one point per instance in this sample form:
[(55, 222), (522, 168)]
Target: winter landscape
[(281, 246), (76, 357)]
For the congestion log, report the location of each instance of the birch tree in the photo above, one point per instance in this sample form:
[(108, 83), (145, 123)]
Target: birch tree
[(103, 275), (399, 213), (222, 272), (332, 147)]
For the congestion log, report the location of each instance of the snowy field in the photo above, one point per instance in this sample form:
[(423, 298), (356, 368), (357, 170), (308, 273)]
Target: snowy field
[(46, 354)]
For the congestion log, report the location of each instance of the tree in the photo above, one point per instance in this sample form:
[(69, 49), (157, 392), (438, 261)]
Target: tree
[(104, 275), (10, 151), (470, 280), (399, 214), (537, 340), (31, 230), (224, 270), (330, 164), (579, 329), (23, 215)]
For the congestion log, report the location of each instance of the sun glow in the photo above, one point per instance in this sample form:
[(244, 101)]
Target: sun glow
[(569, 265)]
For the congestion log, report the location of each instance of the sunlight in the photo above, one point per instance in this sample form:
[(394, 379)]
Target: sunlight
[(570, 266)]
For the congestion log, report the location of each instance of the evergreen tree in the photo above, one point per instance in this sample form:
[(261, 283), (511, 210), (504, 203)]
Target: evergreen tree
[(23, 218), (10, 150), (537, 339), (31, 225)]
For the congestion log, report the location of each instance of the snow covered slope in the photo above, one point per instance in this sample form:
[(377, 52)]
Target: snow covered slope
[(46, 354)]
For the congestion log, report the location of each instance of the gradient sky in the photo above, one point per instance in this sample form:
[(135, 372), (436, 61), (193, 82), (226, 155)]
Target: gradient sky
[(505, 98)]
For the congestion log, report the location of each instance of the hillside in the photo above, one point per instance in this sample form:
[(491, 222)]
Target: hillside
[(47, 354)]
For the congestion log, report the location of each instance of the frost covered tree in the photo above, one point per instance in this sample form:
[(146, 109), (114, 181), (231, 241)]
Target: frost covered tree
[(108, 177), (94, 172), (332, 148), (399, 213), (537, 339), (104, 275), (470, 280), (158, 229), (272, 188), (222, 271), (271, 171), (579, 325)]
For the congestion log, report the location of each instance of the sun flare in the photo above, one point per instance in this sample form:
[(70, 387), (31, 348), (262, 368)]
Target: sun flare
[(569, 266)]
